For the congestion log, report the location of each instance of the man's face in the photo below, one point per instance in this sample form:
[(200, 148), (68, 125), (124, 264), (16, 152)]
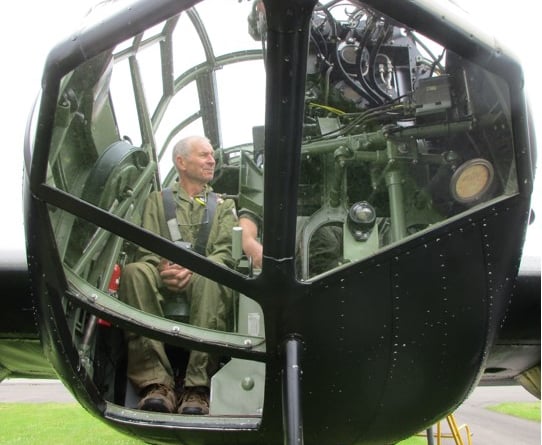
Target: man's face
[(199, 165)]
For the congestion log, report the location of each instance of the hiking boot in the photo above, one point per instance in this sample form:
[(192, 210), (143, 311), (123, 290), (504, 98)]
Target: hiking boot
[(195, 400), (157, 398)]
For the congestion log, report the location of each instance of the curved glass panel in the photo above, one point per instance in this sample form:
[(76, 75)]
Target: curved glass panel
[(119, 116), (400, 134)]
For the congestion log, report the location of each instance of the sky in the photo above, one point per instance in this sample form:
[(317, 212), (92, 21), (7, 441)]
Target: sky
[(30, 29)]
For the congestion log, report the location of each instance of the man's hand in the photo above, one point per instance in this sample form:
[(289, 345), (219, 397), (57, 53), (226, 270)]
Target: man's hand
[(251, 245), (174, 277)]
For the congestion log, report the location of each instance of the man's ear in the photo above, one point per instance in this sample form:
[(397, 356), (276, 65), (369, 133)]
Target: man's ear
[(179, 163)]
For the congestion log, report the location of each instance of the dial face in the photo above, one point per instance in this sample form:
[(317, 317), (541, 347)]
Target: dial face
[(472, 180)]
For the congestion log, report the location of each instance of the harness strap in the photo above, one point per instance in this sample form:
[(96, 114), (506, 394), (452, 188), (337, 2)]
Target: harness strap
[(171, 218), (205, 228), (173, 226)]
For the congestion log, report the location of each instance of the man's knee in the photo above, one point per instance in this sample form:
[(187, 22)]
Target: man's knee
[(137, 279), (133, 269), (138, 273)]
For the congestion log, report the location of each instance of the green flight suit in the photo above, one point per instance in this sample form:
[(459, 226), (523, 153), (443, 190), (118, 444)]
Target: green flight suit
[(210, 302)]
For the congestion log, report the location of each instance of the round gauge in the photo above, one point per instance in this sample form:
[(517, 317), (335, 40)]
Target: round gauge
[(471, 180)]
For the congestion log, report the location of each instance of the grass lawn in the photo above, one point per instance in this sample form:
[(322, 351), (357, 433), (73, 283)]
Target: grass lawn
[(415, 440), (529, 411), (69, 423), (55, 423)]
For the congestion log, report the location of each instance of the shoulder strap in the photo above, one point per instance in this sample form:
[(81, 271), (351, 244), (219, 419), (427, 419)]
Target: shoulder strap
[(173, 226), (169, 210), (205, 228)]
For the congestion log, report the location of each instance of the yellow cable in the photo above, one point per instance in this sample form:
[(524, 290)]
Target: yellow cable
[(328, 108)]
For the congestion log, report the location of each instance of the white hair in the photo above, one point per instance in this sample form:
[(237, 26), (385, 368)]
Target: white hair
[(184, 147)]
